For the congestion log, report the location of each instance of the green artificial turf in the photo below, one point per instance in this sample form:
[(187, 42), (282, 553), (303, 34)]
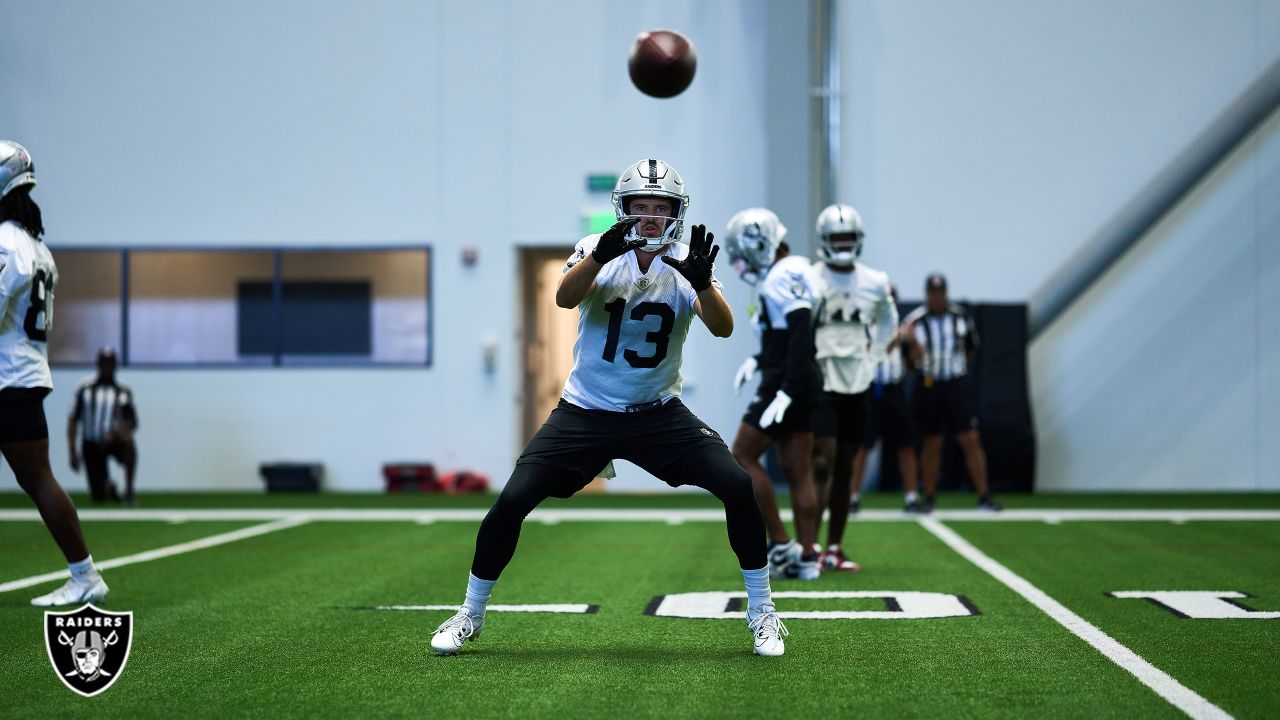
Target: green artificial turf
[(280, 625), (1232, 662), (876, 500)]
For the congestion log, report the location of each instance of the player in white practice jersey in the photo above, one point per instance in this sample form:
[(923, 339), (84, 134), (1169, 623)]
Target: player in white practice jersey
[(781, 412), (27, 279), (855, 322), (622, 398)]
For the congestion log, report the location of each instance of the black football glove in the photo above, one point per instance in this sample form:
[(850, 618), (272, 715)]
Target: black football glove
[(614, 244), (696, 267)]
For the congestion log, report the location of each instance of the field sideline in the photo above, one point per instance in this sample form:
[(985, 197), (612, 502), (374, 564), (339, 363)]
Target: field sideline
[(254, 605)]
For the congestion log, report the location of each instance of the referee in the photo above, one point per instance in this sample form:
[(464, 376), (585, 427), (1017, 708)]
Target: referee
[(105, 411), (943, 344)]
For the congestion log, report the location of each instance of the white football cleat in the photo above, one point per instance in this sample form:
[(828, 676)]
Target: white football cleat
[(784, 556), (769, 631), (73, 593), (803, 570), (455, 631)]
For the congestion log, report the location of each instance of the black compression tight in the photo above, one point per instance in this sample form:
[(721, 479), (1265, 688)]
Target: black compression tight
[(709, 467)]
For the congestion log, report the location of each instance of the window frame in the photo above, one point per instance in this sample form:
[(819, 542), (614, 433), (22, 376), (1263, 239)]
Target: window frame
[(277, 282)]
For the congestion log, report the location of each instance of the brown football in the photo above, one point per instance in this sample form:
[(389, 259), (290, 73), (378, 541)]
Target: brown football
[(662, 63)]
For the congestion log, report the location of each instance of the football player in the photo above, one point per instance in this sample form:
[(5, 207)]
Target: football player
[(27, 280), (781, 412), (855, 322), (891, 418), (622, 398)]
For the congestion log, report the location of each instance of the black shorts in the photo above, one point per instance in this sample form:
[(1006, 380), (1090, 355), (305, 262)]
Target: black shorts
[(22, 415), (890, 419), (945, 406), (797, 419), (842, 416), (585, 441)]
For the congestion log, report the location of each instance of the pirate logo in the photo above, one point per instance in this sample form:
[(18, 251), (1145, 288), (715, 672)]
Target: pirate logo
[(88, 647)]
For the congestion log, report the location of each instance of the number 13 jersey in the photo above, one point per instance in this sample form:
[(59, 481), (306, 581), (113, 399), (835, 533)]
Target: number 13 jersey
[(631, 332), (27, 278)]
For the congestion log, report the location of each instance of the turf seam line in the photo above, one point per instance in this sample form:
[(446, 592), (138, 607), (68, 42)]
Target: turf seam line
[(670, 516), (1163, 684), (163, 552)]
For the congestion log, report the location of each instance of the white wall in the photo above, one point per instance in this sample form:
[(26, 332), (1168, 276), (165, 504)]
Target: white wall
[(1163, 375), (326, 123), (990, 138)]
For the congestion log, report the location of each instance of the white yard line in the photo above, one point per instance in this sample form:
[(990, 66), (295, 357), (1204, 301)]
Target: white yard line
[(673, 516), (571, 608), (1179, 695), (164, 552)]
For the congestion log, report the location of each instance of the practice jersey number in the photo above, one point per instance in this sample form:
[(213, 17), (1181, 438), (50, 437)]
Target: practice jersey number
[(41, 304), (660, 338)]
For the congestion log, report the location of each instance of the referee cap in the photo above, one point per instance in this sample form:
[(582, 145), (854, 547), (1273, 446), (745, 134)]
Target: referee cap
[(935, 281)]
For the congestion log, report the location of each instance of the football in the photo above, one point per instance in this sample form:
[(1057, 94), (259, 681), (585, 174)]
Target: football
[(662, 63)]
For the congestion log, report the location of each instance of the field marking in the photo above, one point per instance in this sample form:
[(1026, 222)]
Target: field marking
[(1164, 685), (163, 552), (668, 516), (571, 608)]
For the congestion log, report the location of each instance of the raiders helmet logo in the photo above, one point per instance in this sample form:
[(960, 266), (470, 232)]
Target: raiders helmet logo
[(88, 647)]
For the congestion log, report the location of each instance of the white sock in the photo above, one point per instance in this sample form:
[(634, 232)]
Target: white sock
[(856, 497), (758, 593), (83, 572), (913, 496), (478, 592)]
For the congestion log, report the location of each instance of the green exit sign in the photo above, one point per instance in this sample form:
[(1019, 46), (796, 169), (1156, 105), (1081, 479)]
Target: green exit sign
[(601, 182)]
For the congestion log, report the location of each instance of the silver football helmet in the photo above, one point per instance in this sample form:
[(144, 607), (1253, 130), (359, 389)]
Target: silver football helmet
[(652, 178), (16, 168), (752, 238), (839, 219)]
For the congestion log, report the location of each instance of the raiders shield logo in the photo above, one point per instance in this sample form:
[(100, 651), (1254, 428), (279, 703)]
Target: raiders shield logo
[(88, 647)]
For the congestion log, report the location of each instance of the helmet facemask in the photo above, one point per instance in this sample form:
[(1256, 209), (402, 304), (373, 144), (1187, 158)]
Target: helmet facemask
[(652, 179), (671, 227), (840, 248), (839, 230)]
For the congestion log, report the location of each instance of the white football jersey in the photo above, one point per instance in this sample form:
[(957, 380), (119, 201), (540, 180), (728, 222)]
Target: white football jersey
[(27, 279), (855, 322), (785, 289), (631, 332)]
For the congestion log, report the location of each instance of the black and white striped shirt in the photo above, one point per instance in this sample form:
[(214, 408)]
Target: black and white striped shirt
[(102, 407), (947, 338)]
